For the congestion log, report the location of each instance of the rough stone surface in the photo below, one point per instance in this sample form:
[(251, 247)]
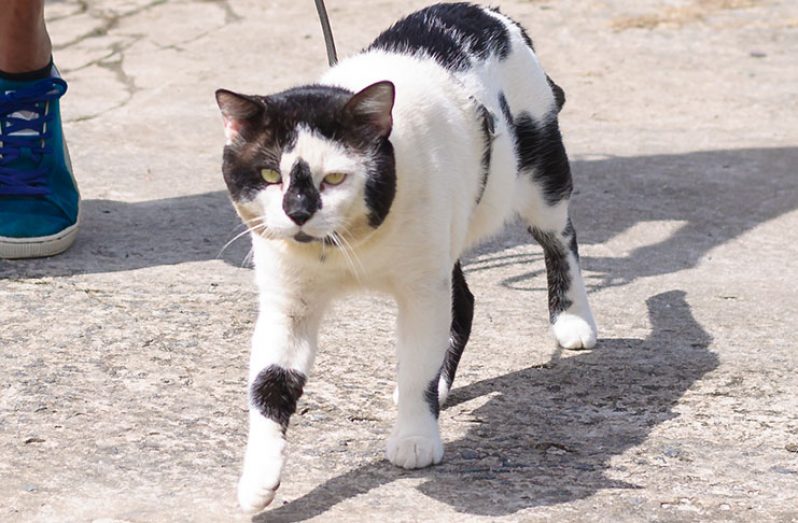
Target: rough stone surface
[(124, 360)]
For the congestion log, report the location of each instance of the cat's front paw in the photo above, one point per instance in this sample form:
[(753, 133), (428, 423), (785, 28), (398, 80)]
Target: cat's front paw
[(255, 494), (260, 478), (574, 332), (414, 452)]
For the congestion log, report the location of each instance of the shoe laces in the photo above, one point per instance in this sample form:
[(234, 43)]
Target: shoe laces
[(26, 126)]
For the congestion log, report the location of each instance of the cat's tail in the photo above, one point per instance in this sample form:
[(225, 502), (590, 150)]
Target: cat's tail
[(559, 94)]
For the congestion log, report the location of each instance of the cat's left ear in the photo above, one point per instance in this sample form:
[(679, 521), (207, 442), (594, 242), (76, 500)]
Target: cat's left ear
[(373, 106), (240, 112)]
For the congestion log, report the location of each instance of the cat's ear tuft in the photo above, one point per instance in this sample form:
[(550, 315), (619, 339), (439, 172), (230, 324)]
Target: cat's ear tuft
[(373, 105), (240, 112)]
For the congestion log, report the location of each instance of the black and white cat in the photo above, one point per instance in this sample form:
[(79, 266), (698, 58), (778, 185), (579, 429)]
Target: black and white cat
[(380, 177)]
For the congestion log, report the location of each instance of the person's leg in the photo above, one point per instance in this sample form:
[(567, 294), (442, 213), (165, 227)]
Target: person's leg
[(24, 42), (38, 195)]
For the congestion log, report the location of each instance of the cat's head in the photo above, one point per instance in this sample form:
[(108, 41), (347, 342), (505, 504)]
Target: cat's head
[(312, 163)]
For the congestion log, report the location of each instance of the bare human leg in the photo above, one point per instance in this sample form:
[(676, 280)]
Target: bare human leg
[(24, 43)]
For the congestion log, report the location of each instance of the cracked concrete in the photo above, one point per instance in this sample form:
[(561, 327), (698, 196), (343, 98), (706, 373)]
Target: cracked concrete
[(124, 359)]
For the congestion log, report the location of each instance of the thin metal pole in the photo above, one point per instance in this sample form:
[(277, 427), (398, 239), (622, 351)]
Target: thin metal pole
[(332, 57)]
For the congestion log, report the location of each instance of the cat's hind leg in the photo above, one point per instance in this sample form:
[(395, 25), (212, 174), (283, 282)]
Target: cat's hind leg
[(460, 330), (544, 196), (571, 320)]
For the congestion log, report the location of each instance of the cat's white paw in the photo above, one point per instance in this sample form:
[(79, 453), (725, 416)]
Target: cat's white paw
[(396, 395), (414, 452), (574, 332), (260, 478), (255, 494)]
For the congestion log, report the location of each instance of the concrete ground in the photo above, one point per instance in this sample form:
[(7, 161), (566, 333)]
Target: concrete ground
[(123, 361)]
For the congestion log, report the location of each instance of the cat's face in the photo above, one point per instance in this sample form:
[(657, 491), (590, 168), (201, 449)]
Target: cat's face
[(311, 164)]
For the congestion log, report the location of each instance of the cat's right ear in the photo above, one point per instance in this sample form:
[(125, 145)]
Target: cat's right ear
[(240, 113)]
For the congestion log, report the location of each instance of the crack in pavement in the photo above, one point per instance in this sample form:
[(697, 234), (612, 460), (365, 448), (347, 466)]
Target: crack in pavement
[(113, 60), (109, 22)]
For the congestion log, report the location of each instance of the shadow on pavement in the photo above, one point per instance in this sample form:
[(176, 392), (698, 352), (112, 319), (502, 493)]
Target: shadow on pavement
[(718, 194), (548, 433), (120, 236)]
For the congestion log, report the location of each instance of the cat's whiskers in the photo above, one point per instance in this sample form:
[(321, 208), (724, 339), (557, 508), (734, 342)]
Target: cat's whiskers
[(352, 252), (247, 259), (251, 226), (323, 256), (346, 253)]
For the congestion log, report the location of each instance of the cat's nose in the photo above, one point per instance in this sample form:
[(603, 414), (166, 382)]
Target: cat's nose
[(299, 215), (300, 203)]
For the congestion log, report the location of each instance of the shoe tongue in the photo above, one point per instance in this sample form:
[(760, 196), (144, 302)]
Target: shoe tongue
[(24, 115), (27, 116)]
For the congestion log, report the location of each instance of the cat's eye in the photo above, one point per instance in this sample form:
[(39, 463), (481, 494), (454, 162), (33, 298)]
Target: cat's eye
[(271, 176), (334, 178)]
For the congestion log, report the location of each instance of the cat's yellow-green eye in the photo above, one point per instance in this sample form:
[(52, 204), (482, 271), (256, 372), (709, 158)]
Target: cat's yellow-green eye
[(271, 176), (334, 178)]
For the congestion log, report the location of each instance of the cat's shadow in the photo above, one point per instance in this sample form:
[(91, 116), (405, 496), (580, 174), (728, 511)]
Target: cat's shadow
[(548, 433)]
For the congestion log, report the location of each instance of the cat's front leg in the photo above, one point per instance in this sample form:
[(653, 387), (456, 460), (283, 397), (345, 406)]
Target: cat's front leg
[(423, 326), (283, 348)]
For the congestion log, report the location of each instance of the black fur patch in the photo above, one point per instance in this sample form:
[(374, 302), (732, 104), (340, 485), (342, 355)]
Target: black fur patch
[(570, 232), (301, 200), (559, 94), (526, 37), (381, 183), (462, 318), (488, 131), (451, 34), (539, 149), (552, 169), (318, 107), (241, 170), (558, 273), (505, 107), (431, 396), (275, 393)]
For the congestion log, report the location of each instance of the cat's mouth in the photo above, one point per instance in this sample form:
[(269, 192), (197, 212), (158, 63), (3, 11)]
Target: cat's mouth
[(301, 237)]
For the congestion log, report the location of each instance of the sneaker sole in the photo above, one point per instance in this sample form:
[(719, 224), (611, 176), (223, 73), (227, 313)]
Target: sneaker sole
[(18, 248)]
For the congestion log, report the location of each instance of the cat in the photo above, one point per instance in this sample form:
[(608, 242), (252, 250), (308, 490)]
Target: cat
[(380, 177)]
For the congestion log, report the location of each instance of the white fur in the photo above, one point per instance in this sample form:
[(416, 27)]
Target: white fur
[(434, 218)]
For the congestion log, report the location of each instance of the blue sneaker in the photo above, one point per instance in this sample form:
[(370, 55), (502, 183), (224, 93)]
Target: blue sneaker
[(39, 198)]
